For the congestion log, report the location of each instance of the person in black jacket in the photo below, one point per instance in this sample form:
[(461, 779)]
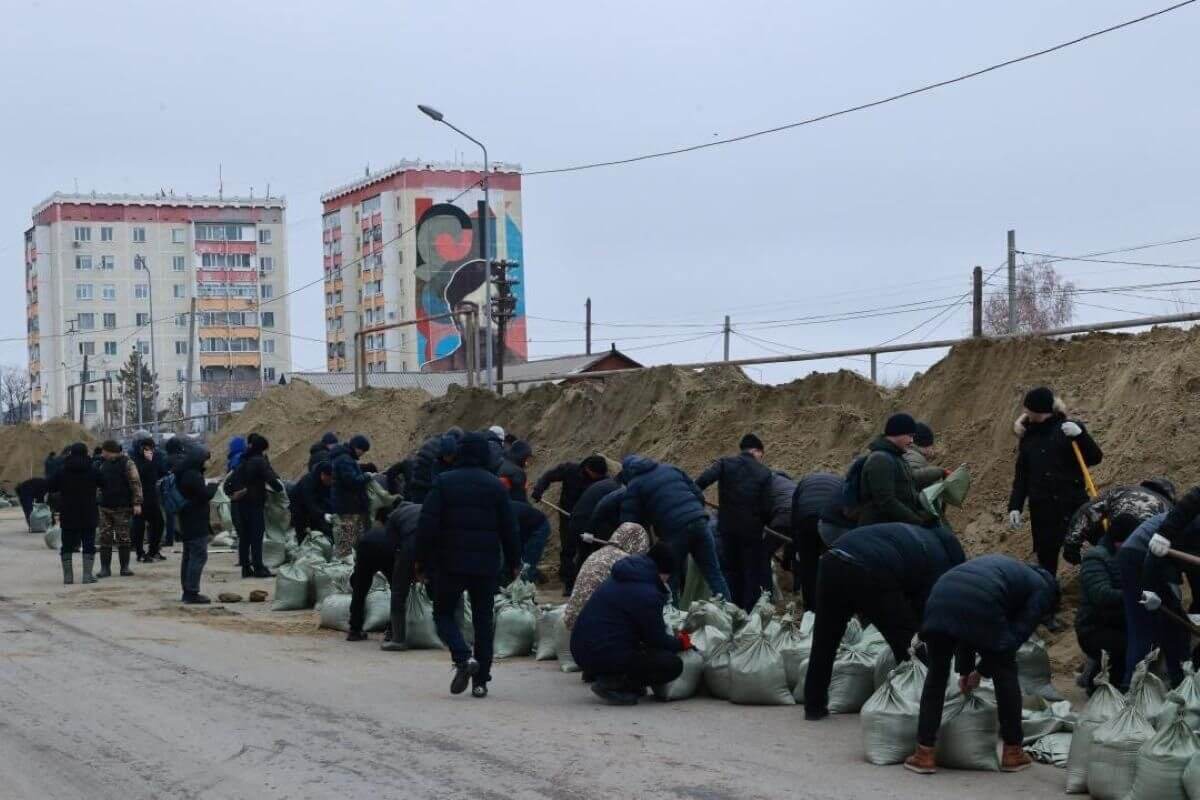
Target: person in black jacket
[(52, 464), (255, 478), (193, 521), (76, 483), (745, 503), (815, 493), (466, 527), (308, 501), (512, 470), (374, 553), (584, 520), (1048, 474), (576, 478), (148, 526), (397, 477), (534, 531), (987, 607), (401, 526), (33, 490), (1100, 621), (175, 454), (620, 637), (435, 455), (884, 573), (886, 490), (321, 451), (1150, 579)]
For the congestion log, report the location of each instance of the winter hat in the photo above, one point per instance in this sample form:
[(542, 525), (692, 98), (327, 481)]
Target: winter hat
[(1039, 400), (924, 435), (520, 451), (497, 431), (596, 465), (360, 442), (454, 431), (663, 558), (750, 442), (329, 438), (900, 425), (257, 442), (111, 446), (79, 449)]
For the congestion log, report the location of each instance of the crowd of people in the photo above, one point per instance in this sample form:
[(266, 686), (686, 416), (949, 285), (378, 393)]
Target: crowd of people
[(859, 543)]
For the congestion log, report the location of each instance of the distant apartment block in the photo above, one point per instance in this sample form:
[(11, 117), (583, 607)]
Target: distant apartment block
[(95, 264), (403, 244)]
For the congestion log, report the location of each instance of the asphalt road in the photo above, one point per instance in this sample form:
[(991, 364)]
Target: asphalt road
[(116, 691)]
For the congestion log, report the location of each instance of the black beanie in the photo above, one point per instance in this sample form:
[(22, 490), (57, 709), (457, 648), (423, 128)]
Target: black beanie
[(924, 435), (900, 425), (360, 442), (750, 442), (1039, 400), (329, 438), (596, 465)]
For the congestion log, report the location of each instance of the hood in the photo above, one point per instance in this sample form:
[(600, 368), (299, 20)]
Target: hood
[(237, 446), (256, 444), (637, 569), (194, 457), (340, 450), (174, 446), (448, 445), (519, 451), (473, 451), (330, 438), (881, 444), (1022, 422), (319, 447), (635, 465), (1161, 486), (78, 461), (135, 449), (632, 538)]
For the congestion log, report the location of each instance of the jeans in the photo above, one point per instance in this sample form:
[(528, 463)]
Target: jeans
[(844, 588), (250, 537), (1003, 671), (532, 547), (195, 556), (808, 546), (695, 540), (645, 668), (72, 538), (1147, 629), (747, 563), (447, 594)]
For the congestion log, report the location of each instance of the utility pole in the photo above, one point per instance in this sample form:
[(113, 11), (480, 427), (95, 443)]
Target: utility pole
[(191, 361), (485, 254), (977, 302), (83, 384), (587, 307), (504, 306), (141, 262), (137, 367), (1012, 282), (726, 337)]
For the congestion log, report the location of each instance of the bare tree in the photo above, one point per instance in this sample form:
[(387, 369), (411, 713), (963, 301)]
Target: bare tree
[(14, 394), (1045, 300)]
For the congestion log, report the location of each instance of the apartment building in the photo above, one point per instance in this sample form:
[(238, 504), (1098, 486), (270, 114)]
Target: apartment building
[(402, 245), (105, 274)]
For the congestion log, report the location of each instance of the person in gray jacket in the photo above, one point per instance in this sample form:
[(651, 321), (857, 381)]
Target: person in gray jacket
[(919, 454)]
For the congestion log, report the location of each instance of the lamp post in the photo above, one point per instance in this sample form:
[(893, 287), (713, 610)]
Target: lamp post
[(140, 263), (437, 116)]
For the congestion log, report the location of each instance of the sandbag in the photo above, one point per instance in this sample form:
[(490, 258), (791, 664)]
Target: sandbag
[(377, 498), (53, 537), (970, 733), (1049, 719), (335, 611), (1191, 779), (1052, 749), (39, 518), (1105, 703), (420, 632), (315, 547), (1162, 761), (1188, 693), (673, 618), (706, 641), (1033, 670), (224, 539), (1147, 691), (695, 588), (515, 620), (546, 636), (889, 717), (220, 506), (717, 677), (687, 683), (794, 644), (853, 680), (294, 588), (756, 671), (331, 578), (708, 613), (562, 639), (1113, 757)]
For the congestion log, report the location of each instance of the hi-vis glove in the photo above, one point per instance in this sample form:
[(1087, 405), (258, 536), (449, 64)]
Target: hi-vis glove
[(1071, 429), (1151, 601), (1159, 545), (1014, 519)]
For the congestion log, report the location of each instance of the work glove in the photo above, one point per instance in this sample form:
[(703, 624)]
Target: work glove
[(1014, 519), (1159, 545), (1151, 601), (685, 640), (1071, 429)]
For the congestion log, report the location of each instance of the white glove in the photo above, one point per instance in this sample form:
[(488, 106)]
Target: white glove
[(1014, 519), (1159, 545), (1071, 429), (1151, 601)]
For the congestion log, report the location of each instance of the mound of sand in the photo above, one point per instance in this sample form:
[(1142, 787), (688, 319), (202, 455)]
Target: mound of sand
[(25, 447)]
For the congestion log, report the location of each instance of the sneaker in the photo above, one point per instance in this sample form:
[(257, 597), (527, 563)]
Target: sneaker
[(479, 690), (815, 714), (1014, 758), (196, 600), (614, 697), (159, 557), (462, 675), (356, 636), (921, 762)]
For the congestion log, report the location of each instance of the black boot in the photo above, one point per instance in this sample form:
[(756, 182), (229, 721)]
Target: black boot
[(105, 563), (123, 556), (68, 570), (89, 559), (246, 571)]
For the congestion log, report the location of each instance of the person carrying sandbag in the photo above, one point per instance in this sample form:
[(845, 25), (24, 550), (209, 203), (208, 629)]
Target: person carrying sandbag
[(388, 548), (985, 608)]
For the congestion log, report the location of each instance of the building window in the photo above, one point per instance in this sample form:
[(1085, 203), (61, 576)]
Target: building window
[(83, 291), (371, 205), (266, 264), (106, 233), (139, 234), (108, 262), (141, 319), (264, 235), (143, 347), (141, 291), (87, 348), (139, 262), (226, 290), (108, 291), (181, 320), (181, 376), (329, 298), (83, 233), (268, 291), (268, 319), (110, 348), (230, 260), (268, 345), (110, 321), (87, 322), (180, 291), (181, 348), (177, 236), (179, 263), (83, 262), (218, 232), (269, 373), (89, 406)]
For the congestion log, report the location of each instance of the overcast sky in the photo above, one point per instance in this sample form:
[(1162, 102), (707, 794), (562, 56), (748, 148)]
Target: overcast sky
[(1088, 149)]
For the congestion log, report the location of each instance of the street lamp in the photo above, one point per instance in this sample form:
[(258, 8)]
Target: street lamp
[(437, 116)]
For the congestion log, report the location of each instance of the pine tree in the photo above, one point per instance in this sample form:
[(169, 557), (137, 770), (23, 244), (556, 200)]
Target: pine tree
[(127, 388)]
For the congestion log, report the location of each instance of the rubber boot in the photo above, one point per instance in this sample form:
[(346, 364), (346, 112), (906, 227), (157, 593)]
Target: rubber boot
[(105, 563), (68, 570), (88, 560), (123, 556)]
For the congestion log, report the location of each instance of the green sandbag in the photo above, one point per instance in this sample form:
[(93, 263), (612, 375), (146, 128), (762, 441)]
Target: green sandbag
[(756, 672), (4, 503), (546, 636), (853, 679), (420, 632), (1033, 670), (794, 643), (515, 620), (315, 546), (331, 578), (950, 491), (1105, 703), (889, 717), (1048, 719), (1147, 691), (53, 538), (673, 618), (562, 638), (1162, 761), (1188, 693), (377, 498), (335, 611), (39, 518), (220, 505), (695, 588), (1114, 754), (970, 732), (717, 676), (1191, 779), (705, 613), (1052, 749), (687, 683), (294, 589)]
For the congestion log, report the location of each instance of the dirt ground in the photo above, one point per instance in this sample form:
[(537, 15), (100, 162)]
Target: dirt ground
[(116, 692)]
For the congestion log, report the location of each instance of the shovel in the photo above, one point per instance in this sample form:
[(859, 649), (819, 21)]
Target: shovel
[(1088, 483), (766, 530), (562, 511)]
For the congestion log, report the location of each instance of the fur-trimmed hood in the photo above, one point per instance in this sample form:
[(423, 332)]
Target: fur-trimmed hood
[(1019, 426)]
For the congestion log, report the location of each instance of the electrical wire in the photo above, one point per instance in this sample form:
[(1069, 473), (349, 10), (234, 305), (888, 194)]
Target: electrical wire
[(1055, 259)]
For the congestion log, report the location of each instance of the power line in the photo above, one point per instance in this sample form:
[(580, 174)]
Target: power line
[(1054, 259), (864, 106)]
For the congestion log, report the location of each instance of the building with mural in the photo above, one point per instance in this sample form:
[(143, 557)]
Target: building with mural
[(403, 245)]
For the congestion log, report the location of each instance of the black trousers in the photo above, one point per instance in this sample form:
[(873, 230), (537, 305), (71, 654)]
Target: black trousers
[(27, 500), (397, 564), (1049, 523), (1000, 667), (644, 668), (844, 589), (746, 561), (1111, 641), (568, 555), (808, 547), (250, 536), (148, 530)]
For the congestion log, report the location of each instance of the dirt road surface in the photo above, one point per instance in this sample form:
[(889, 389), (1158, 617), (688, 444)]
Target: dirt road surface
[(116, 691)]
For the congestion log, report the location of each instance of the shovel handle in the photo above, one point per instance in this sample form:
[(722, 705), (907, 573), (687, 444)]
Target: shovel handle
[(766, 530), (1186, 558), (1184, 621), (564, 512), (1087, 475)]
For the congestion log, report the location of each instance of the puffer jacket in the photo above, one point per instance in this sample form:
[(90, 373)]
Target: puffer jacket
[(1087, 524), (575, 481), (403, 523), (905, 557), (743, 494), (659, 495), (923, 473), (189, 479), (581, 520), (1047, 472), (622, 618), (149, 473), (512, 471), (887, 492), (316, 454), (991, 604), (816, 494), (257, 475), (783, 489), (607, 515), (76, 483), (629, 539), (1102, 603), (349, 491)]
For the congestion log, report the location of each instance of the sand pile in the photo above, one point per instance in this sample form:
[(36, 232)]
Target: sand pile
[(25, 447)]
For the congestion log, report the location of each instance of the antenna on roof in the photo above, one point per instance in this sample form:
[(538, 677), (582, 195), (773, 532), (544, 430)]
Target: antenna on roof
[(268, 190), (367, 170), (220, 182), (76, 185)]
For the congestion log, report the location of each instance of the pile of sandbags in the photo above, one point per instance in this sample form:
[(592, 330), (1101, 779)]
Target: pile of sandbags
[(1106, 702), (335, 609), (295, 581), (1162, 761), (39, 518), (515, 620), (330, 578), (889, 717)]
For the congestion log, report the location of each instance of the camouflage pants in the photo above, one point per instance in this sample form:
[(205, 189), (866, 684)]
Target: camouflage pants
[(346, 532), (115, 524)]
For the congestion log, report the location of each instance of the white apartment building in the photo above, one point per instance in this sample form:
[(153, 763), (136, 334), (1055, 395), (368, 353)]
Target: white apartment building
[(105, 274)]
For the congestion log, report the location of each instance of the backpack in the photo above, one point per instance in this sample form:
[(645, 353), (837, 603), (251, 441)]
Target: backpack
[(852, 487), (173, 500)]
